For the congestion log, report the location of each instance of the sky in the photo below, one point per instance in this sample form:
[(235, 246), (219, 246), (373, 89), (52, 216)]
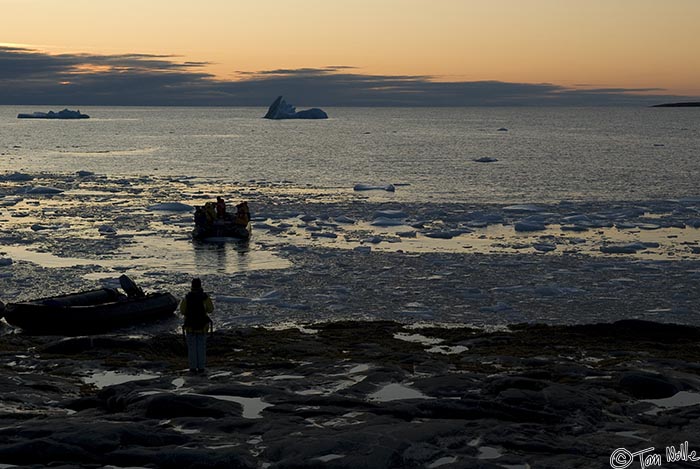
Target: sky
[(349, 52)]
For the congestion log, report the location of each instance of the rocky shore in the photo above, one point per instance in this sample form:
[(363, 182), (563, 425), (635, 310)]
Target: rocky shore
[(353, 394)]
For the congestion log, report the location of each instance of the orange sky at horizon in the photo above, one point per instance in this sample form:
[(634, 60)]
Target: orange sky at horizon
[(591, 43)]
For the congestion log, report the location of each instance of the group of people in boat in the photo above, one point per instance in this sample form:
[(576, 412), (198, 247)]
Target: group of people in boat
[(213, 220)]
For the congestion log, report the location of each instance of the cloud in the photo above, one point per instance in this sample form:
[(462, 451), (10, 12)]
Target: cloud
[(33, 77)]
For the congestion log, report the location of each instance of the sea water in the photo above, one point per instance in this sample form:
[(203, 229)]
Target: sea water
[(631, 171), (544, 154)]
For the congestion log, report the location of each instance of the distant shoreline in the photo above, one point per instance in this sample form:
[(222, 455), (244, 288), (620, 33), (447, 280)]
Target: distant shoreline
[(687, 104)]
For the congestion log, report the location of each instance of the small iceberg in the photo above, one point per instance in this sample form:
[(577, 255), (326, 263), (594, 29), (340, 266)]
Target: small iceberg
[(485, 159), (370, 187), (280, 109), (64, 114), (106, 230)]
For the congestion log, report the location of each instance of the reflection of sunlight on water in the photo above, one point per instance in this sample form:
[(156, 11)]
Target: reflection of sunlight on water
[(45, 259), (154, 253), (179, 255)]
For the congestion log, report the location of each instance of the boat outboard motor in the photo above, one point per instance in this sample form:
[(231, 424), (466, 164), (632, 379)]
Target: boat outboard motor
[(130, 288)]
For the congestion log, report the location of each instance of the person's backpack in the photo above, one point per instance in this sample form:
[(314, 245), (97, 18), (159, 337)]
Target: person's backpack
[(195, 315)]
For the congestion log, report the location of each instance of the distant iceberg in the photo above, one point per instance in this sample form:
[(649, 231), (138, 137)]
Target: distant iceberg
[(280, 109), (64, 114)]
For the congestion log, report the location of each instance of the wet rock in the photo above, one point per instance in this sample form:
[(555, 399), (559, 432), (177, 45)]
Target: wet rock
[(165, 406), (643, 385), (43, 451), (179, 457)]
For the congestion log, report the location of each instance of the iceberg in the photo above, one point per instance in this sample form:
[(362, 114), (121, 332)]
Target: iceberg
[(280, 109), (64, 114)]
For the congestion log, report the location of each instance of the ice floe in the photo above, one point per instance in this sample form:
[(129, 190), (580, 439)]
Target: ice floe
[(630, 248), (16, 177), (523, 208), (43, 190), (384, 221), (530, 225), (371, 187)]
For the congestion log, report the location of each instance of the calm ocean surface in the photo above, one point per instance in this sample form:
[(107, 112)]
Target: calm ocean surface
[(546, 154)]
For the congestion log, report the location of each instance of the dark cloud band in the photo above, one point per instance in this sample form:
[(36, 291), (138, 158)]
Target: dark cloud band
[(33, 77)]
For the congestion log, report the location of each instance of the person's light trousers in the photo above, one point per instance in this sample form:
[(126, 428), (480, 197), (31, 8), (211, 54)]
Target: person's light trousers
[(197, 350)]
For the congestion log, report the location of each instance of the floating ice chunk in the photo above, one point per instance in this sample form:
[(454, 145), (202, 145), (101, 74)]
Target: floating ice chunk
[(446, 234), (390, 214), (529, 225), (344, 219), (39, 227), (171, 207), (16, 177), (576, 228), (406, 234), (544, 247), (10, 201), (387, 222), (485, 159), (370, 187), (630, 248), (576, 219), (523, 208), (106, 230), (43, 190), (324, 234)]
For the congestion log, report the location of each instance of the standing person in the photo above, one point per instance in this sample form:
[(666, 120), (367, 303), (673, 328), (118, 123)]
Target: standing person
[(196, 307)]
